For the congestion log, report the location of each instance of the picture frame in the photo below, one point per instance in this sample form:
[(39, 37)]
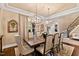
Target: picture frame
[(12, 26)]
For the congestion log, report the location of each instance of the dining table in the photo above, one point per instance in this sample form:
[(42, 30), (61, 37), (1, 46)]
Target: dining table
[(35, 42)]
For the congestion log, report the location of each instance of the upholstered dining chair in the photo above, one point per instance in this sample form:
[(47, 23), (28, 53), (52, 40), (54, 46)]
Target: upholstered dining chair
[(56, 43), (1, 36), (23, 49), (61, 41), (67, 50), (1, 52), (45, 48)]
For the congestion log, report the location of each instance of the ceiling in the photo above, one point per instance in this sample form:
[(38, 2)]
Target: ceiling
[(42, 8)]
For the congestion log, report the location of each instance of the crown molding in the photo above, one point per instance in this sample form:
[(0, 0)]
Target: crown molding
[(5, 6), (63, 13), (27, 13)]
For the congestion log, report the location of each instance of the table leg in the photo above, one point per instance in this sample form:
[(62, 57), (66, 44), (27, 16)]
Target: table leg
[(35, 51)]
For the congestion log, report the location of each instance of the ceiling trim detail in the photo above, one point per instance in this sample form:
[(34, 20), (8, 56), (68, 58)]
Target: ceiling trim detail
[(27, 13), (63, 13), (17, 10)]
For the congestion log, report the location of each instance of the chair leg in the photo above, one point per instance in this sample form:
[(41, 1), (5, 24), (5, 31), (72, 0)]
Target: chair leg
[(57, 49), (62, 46), (44, 54), (52, 51)]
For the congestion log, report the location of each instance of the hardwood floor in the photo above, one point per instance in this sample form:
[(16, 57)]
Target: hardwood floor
[(9, 52)]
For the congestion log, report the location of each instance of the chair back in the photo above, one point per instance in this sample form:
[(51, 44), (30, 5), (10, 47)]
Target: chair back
[(18, 39), (19, 43), (49, 42), (61, 37), (1, 51), (56, 39), (1, 43)]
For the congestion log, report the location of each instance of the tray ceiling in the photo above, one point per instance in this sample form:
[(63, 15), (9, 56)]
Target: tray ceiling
[(42, 8)]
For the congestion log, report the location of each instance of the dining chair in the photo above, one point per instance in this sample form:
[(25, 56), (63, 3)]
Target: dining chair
[(1, 52), (1, 43), (56, 43), (61, 41), (67, 50), (46, 47), (23, 49)]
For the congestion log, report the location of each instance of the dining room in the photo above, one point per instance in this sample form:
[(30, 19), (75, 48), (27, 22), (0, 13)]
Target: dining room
[(40, 29)]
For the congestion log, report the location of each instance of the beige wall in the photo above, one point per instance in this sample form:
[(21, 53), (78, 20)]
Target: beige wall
[(7, 16), (65, 20), (1, 30), (0, 21), (20, 19)]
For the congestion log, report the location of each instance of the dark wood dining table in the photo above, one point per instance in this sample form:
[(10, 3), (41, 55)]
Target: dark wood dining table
[(35, 42)]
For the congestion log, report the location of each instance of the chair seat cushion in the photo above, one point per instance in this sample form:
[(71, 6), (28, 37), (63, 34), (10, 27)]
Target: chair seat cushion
[(41, 49), (67, 50), (26, 50)]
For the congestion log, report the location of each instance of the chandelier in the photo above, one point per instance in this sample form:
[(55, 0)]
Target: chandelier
[(48, 15), (36, 19)]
